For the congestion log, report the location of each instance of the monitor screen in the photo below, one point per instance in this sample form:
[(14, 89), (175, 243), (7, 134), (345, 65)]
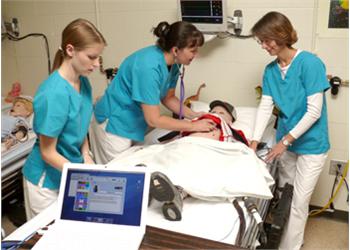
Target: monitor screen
[(113, 197), (208, 15)]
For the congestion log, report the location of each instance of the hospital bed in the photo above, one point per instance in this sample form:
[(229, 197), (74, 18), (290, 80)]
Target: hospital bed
[(12, 161), (219, 220)]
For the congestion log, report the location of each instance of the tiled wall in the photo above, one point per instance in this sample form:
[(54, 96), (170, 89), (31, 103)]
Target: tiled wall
[(231, 68)]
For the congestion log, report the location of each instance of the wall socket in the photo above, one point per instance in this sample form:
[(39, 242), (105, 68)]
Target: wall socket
[(337, 165)]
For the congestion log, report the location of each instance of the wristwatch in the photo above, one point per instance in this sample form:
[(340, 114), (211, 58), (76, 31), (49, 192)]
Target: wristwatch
[(285, 142)]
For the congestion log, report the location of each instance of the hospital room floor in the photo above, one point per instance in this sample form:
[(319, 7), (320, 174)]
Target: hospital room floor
[(321, 233)]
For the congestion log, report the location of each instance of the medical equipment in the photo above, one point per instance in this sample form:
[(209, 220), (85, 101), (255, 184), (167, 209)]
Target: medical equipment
[(252, 208), (12, 161), (280, 215), (335, 84), (207, 15), (182, 92)]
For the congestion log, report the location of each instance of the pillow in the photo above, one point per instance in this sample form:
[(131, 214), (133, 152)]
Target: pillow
[(198, 106)]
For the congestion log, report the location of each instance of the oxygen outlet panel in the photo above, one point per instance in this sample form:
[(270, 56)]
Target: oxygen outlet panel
[(337, 166)]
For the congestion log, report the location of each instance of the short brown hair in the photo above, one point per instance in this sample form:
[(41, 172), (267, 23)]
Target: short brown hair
[(277, 27)]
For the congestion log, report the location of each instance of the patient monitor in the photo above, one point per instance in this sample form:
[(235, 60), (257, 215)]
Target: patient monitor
[(209, 16)]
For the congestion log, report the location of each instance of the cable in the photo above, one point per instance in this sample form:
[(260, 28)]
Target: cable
[(312, 213), (334, 183), (231, 230), (16, 39), (346, 184), (229, 34)]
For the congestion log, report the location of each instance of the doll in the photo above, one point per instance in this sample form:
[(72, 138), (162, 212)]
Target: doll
[(15, 92), (15, 124)]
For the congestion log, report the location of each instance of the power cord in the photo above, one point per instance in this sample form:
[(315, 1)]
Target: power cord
[(16, 39), (315, 212), (227, 34), (346, 183)]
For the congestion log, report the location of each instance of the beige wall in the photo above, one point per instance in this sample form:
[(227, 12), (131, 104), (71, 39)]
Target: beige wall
[(231, 68)]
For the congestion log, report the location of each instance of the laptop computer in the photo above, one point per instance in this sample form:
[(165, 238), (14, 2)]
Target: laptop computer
[(99, 207)]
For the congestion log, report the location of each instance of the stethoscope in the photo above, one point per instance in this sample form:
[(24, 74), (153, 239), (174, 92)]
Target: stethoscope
[(182, 91)]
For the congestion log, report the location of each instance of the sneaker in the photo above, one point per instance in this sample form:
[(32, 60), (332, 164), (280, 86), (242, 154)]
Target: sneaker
[(162, 189)]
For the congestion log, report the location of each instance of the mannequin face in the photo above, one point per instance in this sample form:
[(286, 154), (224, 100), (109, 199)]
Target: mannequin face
[(223, 113), (19, 109), (186, 55)]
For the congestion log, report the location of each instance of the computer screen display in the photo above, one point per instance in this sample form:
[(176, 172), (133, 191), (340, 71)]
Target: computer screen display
[(207, 15), (113, 197)]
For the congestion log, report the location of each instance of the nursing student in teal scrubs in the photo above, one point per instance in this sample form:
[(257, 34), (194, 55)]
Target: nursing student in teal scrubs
[(295, 82), (62, 113), (146, 79)]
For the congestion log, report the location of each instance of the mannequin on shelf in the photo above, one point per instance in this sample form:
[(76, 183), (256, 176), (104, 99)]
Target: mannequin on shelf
[(14, 92), (15, 124)]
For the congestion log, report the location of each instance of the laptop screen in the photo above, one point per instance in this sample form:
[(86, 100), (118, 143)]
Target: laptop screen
[(113, 197)]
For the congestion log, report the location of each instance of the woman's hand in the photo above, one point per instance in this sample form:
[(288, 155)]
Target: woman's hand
[(254, 145), (276, 152), (205, 125), (87, 158), (196, 114)]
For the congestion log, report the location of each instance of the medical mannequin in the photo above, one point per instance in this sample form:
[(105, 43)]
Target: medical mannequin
[(15, 125), (62, 112), (163, 190), (295, 82), (146, 79)]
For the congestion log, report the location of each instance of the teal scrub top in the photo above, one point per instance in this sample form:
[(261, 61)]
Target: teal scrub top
[(143, 77), (63, 113), (305, 76)]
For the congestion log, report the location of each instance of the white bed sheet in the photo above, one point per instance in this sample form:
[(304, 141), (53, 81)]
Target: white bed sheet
[(216, 221), (220, 219)]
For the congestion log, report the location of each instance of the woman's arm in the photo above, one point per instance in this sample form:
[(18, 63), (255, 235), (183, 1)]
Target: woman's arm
[(49, 152), (262, 118), (313, 113), (85, 152), (173, 104), (155, 119)]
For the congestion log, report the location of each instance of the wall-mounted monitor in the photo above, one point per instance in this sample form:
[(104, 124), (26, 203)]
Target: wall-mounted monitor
[(208, 16)]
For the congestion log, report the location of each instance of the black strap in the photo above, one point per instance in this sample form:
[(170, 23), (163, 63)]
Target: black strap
[(168, 136), (238, 137)]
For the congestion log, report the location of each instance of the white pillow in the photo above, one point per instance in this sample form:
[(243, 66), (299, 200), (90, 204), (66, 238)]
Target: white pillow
[(245, 120), (198, 106)]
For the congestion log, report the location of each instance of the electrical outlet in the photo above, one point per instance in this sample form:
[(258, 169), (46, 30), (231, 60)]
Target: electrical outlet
[(337, 165)]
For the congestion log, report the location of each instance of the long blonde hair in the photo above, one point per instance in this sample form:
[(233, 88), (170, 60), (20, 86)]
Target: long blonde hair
[(80, 33)]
